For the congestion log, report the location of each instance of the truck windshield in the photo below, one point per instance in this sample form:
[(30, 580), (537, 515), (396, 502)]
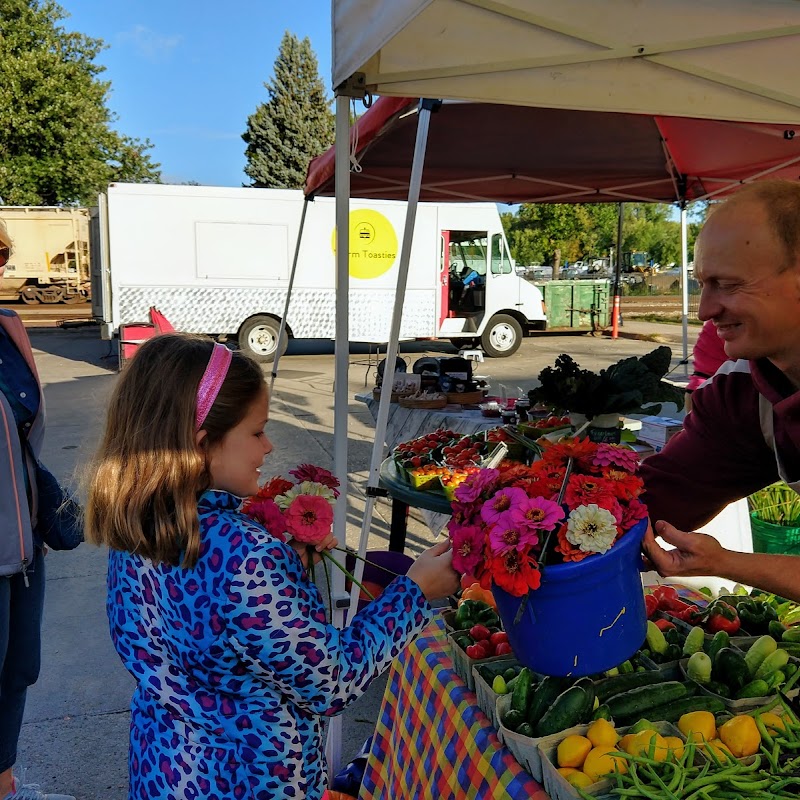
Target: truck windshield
[(468, 251)]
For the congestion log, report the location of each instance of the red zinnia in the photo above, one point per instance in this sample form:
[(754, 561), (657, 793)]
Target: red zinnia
[(516, 572)]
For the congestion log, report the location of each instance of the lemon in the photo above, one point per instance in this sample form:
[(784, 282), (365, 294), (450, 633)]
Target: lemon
[(601, 733), (580, 779), (625, 742), (573, 750), (567, 771), (602, 761)]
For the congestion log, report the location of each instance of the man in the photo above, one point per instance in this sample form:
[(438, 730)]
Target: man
[(743, 432)]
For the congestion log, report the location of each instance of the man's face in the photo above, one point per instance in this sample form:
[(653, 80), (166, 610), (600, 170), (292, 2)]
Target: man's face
[(4, 256), (753, 301)]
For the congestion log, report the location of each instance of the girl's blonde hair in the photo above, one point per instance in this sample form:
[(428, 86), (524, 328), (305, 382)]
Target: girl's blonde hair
[(149, 470)]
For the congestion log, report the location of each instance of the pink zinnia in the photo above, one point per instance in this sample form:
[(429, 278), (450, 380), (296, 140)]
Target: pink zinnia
[(309, 518), (616, 455), (501, 502), (266, 511), (468, 543), (474, 485), (507, 534), (537, 513), (309, 472), (632, 513)]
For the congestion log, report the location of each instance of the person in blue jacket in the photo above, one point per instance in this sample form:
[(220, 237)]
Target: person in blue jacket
[(214, 615), (24, 503)]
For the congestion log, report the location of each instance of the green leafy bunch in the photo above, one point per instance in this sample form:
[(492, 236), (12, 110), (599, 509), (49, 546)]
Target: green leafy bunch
[(624, 387)]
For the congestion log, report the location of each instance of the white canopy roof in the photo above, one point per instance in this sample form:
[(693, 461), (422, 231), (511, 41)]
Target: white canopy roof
[(717, 59)]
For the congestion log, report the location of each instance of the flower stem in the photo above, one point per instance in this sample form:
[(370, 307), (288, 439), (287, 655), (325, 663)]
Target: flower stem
[(327, 554), (328, 584), (367, 561)]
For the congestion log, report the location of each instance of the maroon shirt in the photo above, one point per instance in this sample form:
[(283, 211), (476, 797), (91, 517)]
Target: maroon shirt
[(722, 454)]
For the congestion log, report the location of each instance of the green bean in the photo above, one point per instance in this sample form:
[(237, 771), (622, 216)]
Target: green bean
[(762, 729), (750, 786)]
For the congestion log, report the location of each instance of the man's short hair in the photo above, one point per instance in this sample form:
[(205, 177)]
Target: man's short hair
[(781, 201)]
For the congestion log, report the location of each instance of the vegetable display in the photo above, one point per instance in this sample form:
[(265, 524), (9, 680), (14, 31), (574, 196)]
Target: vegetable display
[(622, 388)]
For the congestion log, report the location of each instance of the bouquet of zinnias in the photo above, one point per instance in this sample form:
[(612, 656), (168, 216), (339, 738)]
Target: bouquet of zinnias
[(303, 508), (503, 519)]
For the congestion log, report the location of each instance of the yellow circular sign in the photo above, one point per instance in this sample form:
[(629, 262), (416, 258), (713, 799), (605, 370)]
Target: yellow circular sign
[(373, 244)]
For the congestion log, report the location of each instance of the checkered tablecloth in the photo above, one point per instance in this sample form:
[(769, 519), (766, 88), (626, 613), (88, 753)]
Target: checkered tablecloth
[(432, 740)]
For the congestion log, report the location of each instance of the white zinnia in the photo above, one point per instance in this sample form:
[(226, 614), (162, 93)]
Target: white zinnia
[(283, 501), (591, 529)]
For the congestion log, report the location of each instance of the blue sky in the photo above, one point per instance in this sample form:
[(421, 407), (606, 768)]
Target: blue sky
[(186, 75)]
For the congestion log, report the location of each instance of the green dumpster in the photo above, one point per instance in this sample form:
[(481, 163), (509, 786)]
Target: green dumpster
[(577, 303)]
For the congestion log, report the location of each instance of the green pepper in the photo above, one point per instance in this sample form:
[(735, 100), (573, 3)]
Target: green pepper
[(467, 614), (755, 615)]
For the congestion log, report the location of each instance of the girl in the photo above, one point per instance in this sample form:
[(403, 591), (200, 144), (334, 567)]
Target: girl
[(214, 616)]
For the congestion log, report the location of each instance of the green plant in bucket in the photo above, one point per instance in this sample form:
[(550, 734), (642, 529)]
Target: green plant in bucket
[(776, 504)]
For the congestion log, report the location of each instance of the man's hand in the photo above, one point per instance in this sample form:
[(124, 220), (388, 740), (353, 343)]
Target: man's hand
[(694, 553), (304, 549)]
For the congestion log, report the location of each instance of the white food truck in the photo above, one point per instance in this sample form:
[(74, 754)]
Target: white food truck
[(217, 261)]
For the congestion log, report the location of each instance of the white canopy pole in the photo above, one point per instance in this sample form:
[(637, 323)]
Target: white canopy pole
[(282, 331), (685, 289), (333, 745), (415, 183)]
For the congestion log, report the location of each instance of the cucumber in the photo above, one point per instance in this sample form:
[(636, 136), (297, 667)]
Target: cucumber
[(513, 719), (756, 688), (525, 729), (544, 695), (623, 683), (672, 712), (731, 668), (521, 695), (637, 702), (571, 707)]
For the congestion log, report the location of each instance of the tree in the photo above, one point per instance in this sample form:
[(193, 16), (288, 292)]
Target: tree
[(57, 145), (296, 123)]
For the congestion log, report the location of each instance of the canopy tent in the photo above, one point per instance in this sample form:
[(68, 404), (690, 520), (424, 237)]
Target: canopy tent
[(715, 59), (707, 59), (511, 154)]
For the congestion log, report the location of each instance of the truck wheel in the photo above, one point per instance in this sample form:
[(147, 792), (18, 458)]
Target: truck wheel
[(502, 336), (258, 337)]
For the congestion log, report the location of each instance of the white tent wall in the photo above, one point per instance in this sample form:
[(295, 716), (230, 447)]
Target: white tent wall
[(716, 59)]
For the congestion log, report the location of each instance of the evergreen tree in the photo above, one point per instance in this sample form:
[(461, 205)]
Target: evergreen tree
[(294, 125), (57, 145)]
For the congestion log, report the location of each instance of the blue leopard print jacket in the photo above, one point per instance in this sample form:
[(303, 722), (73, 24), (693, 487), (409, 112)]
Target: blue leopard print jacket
[(235, 663)]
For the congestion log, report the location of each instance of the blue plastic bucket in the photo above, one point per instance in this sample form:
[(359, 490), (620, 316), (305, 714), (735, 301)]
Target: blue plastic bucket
[(586, 617)]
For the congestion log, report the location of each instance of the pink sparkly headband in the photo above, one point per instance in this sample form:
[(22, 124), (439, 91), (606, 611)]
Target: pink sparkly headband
[(212, 381)]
